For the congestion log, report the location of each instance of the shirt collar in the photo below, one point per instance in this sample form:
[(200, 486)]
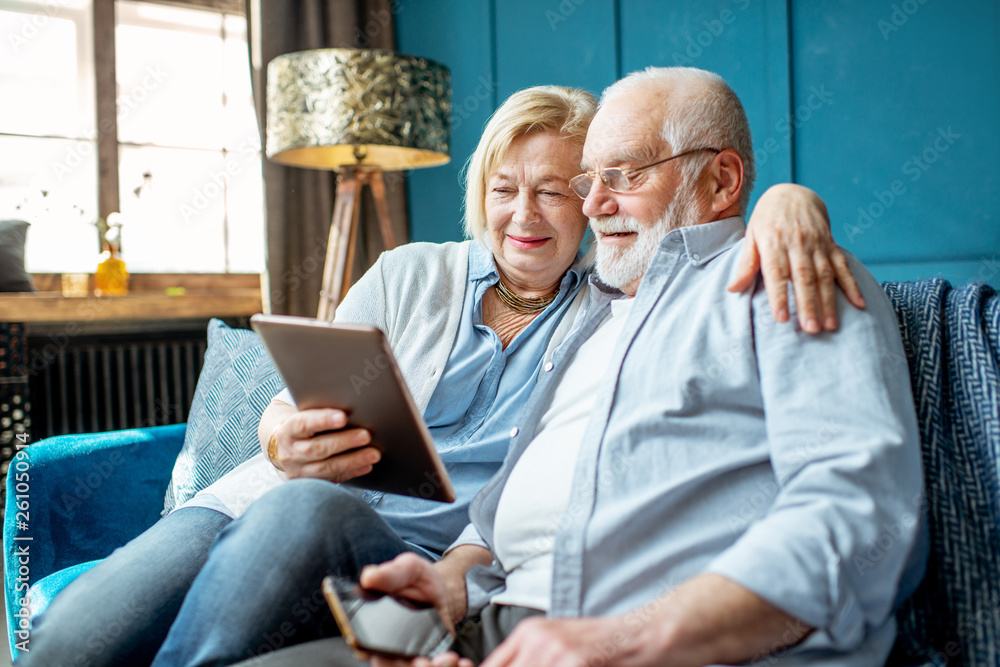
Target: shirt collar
[(700, 243), (705, 241), (480, 262)]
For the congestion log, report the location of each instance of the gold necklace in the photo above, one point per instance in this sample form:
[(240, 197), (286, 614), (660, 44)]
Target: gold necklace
[(523, 304)]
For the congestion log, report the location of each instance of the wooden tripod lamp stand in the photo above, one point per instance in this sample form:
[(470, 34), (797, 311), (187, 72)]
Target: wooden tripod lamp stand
[(358, 112)]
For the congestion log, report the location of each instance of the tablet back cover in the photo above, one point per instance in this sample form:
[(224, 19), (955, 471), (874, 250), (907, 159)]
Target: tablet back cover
[(351, 367)]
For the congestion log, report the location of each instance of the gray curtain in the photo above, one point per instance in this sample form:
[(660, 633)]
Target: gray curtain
[(299, 202)]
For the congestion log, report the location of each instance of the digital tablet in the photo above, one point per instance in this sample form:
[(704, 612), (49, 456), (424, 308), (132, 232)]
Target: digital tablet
[(352, 367)]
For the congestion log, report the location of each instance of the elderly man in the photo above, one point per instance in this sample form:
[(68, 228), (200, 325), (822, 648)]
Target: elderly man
[(727, 505)]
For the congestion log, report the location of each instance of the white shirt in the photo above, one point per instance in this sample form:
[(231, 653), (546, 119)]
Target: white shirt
[(535, 498)]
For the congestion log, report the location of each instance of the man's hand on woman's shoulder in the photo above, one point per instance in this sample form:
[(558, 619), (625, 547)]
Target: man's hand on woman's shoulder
[(788, 239)]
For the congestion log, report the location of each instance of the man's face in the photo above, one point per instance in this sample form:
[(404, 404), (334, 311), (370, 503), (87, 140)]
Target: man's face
[(626, 246), (629, 226)]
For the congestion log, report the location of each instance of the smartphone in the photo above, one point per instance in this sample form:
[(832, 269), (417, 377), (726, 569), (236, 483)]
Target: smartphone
[(381, 624)]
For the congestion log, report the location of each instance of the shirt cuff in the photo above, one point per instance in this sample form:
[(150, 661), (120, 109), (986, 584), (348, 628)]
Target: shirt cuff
[(805, 583), (285, 396), (468, 536)]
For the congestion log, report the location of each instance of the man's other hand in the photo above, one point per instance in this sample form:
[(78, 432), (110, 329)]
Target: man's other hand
[(568, 642), (412, 577)]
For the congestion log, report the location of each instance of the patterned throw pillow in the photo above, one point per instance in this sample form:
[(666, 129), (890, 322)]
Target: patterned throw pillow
[(237, 382)]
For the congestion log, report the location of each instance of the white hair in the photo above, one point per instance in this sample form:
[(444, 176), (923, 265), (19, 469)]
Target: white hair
[(700, 110)]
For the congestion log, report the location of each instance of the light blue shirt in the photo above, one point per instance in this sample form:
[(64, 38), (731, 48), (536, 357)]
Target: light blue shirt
[(725, 442), (476, 403)]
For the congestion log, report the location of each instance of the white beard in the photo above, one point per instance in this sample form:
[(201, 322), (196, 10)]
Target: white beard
[(619, 267)]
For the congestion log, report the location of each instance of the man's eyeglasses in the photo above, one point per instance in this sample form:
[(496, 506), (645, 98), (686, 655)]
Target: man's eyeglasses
[(620, 180)]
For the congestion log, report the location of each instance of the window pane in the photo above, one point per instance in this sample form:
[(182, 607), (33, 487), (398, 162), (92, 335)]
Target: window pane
[(175, 223), (52, 183), (245, 205), (242, 132), (170, 75), (183, 84), (46, 71)]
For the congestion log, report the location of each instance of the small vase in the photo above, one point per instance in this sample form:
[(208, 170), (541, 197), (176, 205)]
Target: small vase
[(111, 276)]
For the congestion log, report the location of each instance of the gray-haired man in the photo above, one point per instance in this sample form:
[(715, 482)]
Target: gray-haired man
[(693, 483)]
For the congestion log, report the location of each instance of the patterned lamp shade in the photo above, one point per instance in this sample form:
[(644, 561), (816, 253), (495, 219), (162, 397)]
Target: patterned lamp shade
[(327, 108)]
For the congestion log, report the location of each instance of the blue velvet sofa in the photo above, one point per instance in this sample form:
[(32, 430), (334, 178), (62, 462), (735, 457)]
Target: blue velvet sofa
[(89, 494), (82, 497)]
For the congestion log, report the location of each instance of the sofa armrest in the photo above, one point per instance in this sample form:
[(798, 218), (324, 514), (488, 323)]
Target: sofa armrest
[(76, 498)]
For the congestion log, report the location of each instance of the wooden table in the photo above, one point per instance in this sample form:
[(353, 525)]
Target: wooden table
[(151, 297)]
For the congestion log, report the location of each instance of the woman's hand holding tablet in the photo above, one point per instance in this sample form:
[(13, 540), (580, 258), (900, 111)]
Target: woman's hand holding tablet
[(318, 444), (338, 371)]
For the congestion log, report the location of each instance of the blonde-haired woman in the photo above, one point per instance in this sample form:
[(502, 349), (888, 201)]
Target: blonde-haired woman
[(472, 324)]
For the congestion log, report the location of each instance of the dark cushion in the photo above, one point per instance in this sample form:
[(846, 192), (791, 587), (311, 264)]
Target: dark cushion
[(237, 382), (952, 342), (13, 277)]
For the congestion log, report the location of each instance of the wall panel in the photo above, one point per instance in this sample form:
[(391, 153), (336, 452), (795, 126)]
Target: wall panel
[(887, 109), (904, 154), (457, 34), (744, 41)]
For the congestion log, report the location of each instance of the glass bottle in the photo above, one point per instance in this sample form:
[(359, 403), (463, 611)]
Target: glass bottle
[(111, 277)]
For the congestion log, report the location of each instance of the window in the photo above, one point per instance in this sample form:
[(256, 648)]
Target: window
[(190, 192)]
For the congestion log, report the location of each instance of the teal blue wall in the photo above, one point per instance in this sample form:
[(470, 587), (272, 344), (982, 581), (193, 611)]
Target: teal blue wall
[(887, 109)]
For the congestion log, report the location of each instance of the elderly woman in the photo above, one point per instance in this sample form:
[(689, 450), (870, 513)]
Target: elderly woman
[(472, 324)]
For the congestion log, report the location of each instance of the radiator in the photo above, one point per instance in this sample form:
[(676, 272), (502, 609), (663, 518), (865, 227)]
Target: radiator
[(110, 382)]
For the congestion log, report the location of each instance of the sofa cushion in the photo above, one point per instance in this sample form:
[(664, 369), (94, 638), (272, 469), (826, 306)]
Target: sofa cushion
[(13, 277), (237, 382)]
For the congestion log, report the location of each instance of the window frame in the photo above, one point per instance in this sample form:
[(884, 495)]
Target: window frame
[(101, 49), (106, 90)]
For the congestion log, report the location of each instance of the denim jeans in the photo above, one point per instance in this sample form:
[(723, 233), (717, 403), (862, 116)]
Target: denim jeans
[(119, 612), (260, 588)]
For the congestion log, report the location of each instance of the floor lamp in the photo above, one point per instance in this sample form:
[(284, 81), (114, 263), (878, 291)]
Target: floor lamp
[(358, 112)]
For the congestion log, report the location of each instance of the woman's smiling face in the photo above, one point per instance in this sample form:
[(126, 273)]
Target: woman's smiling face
[(534, 221)]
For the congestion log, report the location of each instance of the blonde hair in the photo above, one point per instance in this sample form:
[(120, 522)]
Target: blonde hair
[(703, 110), (565, 111)]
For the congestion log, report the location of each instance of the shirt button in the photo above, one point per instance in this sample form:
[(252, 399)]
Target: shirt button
[(548, 366), (513, 432), (695, 256)]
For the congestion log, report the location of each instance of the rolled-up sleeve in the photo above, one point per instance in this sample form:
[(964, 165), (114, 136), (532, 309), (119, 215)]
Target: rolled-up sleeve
[(469, 536), (844, 445), (285, 396)]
